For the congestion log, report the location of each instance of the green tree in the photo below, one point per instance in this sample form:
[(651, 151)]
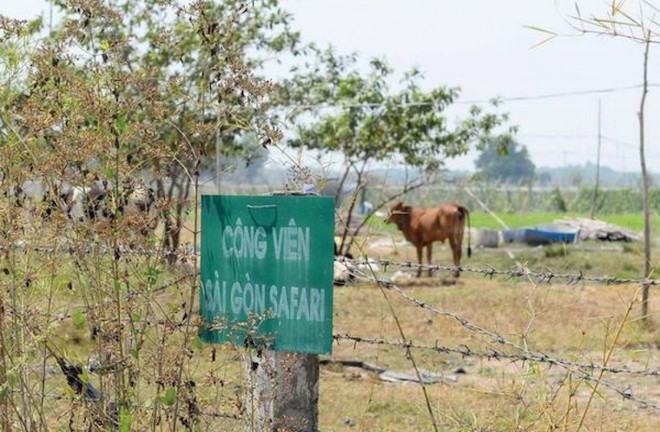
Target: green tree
[(356, 111), (168, 79), (505, 162), (118, 89)]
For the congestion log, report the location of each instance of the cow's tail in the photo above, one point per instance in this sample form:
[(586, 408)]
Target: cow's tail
[(465, 214)]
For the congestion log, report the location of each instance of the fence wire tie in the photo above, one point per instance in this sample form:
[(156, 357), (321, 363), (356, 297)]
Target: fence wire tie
[(547, 276), (387, 284), (544, 358), (499, 339), (489, 272), (591, 367), (627, 394), (579, 277), (494, 355)]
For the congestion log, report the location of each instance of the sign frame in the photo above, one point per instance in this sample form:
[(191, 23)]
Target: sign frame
[(267, 271)]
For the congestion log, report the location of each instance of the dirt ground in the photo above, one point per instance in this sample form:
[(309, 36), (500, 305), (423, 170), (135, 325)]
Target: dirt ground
[(575, 324)]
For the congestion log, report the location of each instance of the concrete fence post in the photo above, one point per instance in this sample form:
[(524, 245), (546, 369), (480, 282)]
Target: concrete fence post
[(282, 391)]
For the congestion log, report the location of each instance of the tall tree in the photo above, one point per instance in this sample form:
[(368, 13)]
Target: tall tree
[(118, 89), (166, 76), (505, 162), (355, 110)]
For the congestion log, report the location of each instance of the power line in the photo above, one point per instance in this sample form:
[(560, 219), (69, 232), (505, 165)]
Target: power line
[(568, 94), (557, 136), (621, 143), (328, 105)]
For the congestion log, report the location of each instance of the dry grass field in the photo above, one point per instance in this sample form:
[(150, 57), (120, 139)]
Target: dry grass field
[(508, 352), (485, 383), (572, 323)]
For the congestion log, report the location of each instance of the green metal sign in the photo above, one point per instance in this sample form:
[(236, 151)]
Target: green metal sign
[(267, 264)]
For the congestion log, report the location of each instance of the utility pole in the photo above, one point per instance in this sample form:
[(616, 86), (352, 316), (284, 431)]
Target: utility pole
[(595, 199)]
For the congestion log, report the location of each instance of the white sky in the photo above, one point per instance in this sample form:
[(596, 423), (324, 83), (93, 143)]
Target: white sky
[(483, 47)]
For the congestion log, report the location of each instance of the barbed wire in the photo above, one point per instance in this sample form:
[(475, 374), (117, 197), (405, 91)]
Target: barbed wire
[(186, 253), (56, 395), (62, 316), (520, 271), (363, 269), (464, 322), (492, 354), (579, 369), (575, 368)]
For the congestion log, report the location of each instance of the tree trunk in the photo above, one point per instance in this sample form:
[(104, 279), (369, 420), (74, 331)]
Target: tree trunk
[(645, 187)]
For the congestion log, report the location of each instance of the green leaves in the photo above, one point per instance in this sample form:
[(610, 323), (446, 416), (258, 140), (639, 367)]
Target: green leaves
[(360, 115), (78, 320), (125, 419), (504, 160), (169, 397), (121, 124), (152, 273)]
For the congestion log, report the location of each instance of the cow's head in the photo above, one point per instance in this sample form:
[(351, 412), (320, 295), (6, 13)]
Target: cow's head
[(399, 214)]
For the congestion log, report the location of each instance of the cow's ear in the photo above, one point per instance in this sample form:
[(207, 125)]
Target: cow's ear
[(406, 209)]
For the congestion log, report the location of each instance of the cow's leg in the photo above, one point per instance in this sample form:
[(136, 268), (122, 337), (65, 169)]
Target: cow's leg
[(419, 260), (429, 252), (456, 244)]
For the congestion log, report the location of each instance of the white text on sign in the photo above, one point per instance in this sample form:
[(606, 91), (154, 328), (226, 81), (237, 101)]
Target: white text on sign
[(289, 302), (290, 243)]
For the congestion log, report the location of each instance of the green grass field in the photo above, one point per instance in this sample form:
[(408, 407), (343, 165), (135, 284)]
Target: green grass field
[(634, 222)]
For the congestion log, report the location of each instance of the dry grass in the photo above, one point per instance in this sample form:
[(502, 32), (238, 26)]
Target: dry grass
[(572, 323), (577, 323)]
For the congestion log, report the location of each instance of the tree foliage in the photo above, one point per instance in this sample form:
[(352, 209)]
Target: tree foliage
[(359, 111), (145, 86), (117, 91), (364, 117), (506, 164)]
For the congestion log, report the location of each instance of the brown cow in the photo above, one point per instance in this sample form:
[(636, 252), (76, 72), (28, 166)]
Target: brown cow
[(423, 226)]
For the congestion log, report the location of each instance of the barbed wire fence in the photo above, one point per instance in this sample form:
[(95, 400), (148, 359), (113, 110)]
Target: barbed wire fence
[(364, 272)]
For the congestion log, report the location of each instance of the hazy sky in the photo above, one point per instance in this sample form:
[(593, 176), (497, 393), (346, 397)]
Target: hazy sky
[(483, 47)]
